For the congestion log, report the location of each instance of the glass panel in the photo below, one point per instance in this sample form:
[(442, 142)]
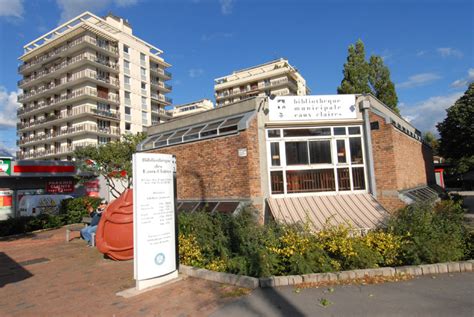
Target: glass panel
[(162, 141), (320, 152), (187, 207), (277, 182), (354, 130), (206, 206), (275, 153), (356, 150), (273, 133), (341, 151), (358, 179), (306, 132), (211, 129), (177, 137), (296, 153), (227, 207), (310, 181), (230, 122), (343, 179), (193, 133), (340, 131)]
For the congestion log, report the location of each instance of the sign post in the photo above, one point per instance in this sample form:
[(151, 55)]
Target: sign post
[(155, 224)]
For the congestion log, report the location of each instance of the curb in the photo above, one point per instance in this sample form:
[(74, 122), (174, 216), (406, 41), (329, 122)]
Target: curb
[(275, 281)]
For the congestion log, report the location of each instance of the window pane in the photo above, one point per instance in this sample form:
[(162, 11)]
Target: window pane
[(356, 150), (275, 153), (277, 182), (227, 207), (320, 152), (296, 153), (273, 133), (358, 179), (310, 181), (341, 151), (340, 131), (354, 130), (343, 179), (306, 132)]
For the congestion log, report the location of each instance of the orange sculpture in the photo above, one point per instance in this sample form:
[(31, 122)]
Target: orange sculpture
[(114, 236)]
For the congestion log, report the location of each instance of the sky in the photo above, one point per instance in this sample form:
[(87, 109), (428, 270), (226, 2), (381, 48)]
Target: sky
[(427, 44)]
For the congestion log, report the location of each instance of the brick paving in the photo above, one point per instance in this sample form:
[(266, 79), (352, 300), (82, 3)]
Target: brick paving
[(42, 275)]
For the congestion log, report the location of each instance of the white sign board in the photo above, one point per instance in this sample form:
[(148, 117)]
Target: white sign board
[(154, 218), (310, 108)]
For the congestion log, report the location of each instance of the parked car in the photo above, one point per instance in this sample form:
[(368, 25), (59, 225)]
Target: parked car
[(33, 205)]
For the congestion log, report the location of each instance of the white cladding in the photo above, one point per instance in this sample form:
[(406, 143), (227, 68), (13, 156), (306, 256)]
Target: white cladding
[(310, 108)]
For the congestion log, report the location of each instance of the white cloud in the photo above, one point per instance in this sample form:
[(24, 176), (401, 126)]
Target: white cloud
[(11, 8), (419, 80), (226, 6), (448, 52), (195, 72), (8, 108), (463, 82), (424, 115), (421, 53), (72, 8)]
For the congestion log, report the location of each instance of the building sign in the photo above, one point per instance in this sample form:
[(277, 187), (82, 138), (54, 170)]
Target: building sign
[(154, 212), (310, 108), (92, 188), (64, 186), (5, 166)]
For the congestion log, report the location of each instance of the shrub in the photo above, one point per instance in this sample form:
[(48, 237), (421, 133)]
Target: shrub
[(430, 234), (72, 210), (189, 250), (387, 244)]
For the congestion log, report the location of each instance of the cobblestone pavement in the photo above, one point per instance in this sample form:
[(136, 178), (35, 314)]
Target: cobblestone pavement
[(42, 275)]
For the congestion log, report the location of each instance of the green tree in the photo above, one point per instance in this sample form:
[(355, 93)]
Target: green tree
[(457, 132), (430, 138), (362, 77), (111, 160), (382, 86), (356, 71)]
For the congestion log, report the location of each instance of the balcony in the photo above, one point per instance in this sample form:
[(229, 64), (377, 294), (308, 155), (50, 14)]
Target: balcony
[(63, 150), (53, 86), (69, 132), (83, 92), (59, 51), (160, 97), (67, 65), (161, 86), (161, 72)]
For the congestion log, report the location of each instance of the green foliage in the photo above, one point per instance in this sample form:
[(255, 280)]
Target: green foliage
[(457, 132), (356, 71), (361, 77), (71, 211), (382, 86), (430, 138), (112, 160), (430, 234)]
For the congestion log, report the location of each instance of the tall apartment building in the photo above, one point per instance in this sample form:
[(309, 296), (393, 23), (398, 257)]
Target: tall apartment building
[(277, 78), (85, 83), (191, 108)]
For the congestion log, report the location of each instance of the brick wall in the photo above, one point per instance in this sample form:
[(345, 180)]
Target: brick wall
[(212, 169), (400, 162)]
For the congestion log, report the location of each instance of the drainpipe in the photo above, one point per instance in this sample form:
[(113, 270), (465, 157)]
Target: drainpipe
[(364, 105)]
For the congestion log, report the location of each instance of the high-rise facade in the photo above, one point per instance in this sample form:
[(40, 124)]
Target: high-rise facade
[(277, 78), (85, 83)]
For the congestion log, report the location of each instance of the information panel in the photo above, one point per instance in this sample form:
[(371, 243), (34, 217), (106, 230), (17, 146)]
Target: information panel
[(310, 108), (154, 215)]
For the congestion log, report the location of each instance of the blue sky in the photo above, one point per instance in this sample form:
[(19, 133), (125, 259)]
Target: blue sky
[(428, 45)]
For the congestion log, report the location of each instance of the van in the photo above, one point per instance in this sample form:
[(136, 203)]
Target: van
[(34, 205)]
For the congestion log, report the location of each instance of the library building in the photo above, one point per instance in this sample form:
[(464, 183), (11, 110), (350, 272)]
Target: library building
[(324, 159)]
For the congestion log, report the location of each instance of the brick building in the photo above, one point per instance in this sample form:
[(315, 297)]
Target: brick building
[(341, 158)]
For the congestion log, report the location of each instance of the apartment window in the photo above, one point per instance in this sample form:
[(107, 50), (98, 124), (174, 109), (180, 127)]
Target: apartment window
[(144, 103), (126, 49), (143, 85), (126, 81), (103, 106), (143, 73), (128, 100), (126, 67), (127, 126), (103, 140), (128, 110), (144, 118), (142, 59)]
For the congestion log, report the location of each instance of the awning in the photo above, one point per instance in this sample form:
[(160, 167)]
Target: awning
[(361, 211)]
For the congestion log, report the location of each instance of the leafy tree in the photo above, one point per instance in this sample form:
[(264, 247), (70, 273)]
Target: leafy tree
[(361, 77), (430, 138), (457, 132), (356, 71), (112, 160), (382, 86)]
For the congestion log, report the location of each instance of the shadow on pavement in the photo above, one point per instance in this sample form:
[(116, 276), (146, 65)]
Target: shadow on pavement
[(11, 271)]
